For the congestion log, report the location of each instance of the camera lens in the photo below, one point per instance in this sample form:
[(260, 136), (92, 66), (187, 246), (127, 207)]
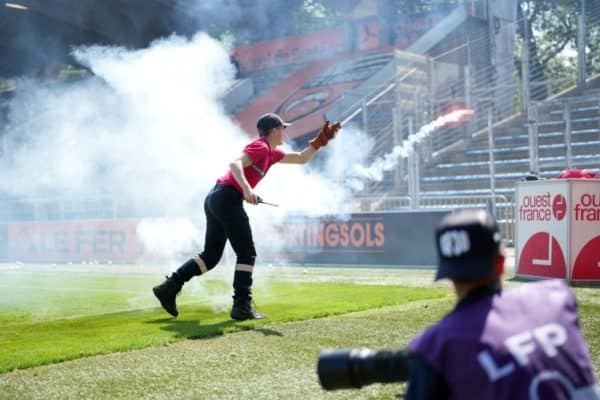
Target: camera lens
[(355, 368), (339, 369)]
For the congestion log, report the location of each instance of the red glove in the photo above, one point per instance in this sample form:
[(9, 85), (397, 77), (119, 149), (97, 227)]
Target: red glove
[(327, 133)]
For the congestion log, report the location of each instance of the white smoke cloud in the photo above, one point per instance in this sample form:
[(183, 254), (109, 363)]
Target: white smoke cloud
[(349, 150), (149, 131), (167, 236)]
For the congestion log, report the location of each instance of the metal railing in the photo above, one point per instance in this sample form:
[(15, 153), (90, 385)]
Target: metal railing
[(559, 116), (380, 203), (500, 91), (501, 206)]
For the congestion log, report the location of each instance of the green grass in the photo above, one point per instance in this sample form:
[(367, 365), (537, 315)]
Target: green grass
[(47, 318), (272, 359)]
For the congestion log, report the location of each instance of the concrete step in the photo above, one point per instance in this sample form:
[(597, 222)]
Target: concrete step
[(576, 134), (518, 163), (550, 149)]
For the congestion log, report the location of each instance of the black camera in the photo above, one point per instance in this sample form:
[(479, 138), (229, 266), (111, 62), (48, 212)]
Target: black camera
[(355, 368)]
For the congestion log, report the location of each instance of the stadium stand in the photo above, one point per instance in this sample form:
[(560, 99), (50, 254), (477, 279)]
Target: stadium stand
[(559, 129), (468, 171), (454, 59)]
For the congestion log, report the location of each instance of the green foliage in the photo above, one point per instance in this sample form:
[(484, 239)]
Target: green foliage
[(593, 37), (406, 7), (314, 15), (552, 37), (554, 26)]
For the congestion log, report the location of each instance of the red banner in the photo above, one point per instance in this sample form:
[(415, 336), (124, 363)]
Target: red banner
[(65, 241), (290, 50), (336, 64), (306, 96), (327, 43)]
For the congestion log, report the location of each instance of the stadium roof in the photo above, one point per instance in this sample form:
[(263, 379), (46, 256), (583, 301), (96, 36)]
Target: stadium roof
[(36, 34)]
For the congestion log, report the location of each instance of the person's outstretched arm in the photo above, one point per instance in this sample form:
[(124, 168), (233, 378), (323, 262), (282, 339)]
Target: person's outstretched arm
[(327, 133)]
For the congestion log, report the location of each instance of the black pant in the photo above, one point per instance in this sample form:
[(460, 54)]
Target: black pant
[(226, 219)]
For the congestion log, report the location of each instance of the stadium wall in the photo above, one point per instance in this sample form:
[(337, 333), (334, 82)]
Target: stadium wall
[(378, 239), (72, 241), (362, 239), (362, 34)]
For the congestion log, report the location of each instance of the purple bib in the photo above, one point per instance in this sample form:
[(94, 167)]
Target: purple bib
[(522, 343)]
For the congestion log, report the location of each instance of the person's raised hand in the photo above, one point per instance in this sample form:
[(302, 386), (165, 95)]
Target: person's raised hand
[(326, 133), (332, 130)]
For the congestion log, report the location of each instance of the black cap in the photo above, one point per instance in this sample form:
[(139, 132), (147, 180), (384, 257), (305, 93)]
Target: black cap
[(269, 121), (467, 243)]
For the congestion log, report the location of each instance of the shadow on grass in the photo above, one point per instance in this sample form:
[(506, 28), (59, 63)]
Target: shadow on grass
[(269, 332), (194, 329)]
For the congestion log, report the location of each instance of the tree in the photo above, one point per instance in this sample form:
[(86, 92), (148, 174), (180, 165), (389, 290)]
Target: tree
[(593, 36), (407, 7), (551, 26), (551, 29), (313, 14)]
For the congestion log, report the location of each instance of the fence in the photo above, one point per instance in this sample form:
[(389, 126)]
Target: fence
[(499, 62), (499, 205), (564, 132)]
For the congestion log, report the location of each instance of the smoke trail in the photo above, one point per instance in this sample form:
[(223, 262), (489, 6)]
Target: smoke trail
[(359, 173)]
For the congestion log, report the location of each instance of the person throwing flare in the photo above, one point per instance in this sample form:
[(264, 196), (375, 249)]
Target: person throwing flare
[(226, 218)]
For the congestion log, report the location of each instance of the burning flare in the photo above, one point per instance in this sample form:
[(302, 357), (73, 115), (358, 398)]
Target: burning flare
[(388, 161)]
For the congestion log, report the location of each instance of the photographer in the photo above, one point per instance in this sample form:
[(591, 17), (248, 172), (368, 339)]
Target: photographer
[(518, 343), (521, 343)]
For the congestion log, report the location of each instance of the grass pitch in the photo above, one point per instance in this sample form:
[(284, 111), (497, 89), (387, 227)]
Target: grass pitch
[(120, 344), (49, 315)]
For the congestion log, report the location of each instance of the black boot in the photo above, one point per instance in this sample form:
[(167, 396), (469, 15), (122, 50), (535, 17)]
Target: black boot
[(242, 310), (170, 288), (242, 298), (166, 293)]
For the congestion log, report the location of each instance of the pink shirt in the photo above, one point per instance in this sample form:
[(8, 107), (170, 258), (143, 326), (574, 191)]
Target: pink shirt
[(262, 158)]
